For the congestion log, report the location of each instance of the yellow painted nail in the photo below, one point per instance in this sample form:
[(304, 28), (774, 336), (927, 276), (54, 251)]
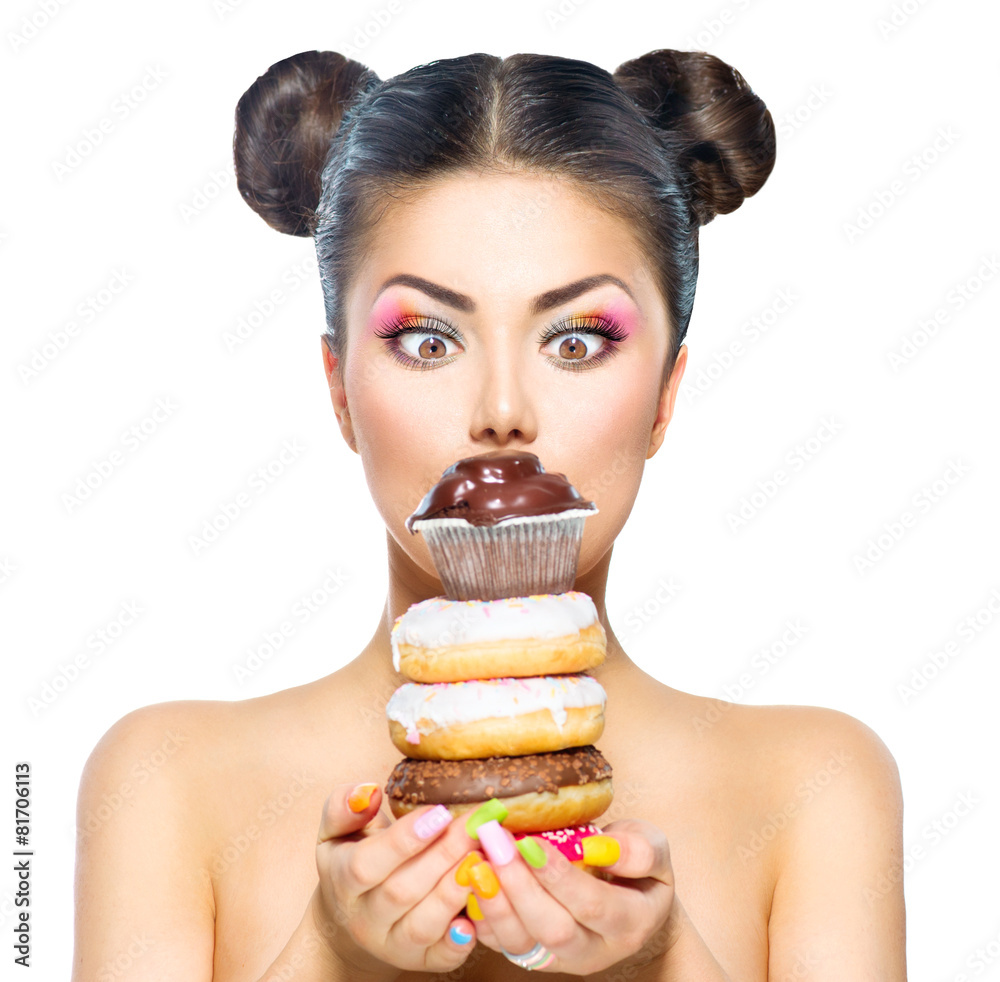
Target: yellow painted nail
[(359, 799), (472, 908), (601, 850), (462, 873), (484, 881)]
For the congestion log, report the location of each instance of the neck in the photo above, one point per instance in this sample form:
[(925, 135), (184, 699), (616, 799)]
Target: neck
[(409, 584)]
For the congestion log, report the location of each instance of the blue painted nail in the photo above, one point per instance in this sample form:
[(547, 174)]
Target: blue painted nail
[(459, 935)]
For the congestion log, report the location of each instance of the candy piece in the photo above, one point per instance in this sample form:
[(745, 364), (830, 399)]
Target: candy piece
[(484, 881), (359, 799), (472, 908), (601, 850), (486, 812), (462, 873)]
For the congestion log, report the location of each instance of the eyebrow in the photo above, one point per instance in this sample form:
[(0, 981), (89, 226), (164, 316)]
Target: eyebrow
[(544, 301)]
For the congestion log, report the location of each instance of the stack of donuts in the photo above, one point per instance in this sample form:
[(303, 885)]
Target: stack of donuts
[(498, 709)]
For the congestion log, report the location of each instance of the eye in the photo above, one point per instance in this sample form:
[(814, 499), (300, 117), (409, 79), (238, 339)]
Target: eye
[(426, 346), (582, 342), (420, 343)]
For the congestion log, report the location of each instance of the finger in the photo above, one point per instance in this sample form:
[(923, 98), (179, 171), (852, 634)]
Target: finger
[(348, 809), (644, 851), (434, 909), (451, 950), (534, 914), (422, 896), (399, 861)]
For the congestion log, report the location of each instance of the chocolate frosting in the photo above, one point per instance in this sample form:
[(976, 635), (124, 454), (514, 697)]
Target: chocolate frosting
[(491, 487), (451, 782)]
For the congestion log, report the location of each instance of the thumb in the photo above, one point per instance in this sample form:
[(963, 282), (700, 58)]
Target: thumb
[(644, 850), (348, 809)]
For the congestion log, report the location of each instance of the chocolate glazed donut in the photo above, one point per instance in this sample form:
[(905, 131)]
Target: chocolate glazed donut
[(541, 792)]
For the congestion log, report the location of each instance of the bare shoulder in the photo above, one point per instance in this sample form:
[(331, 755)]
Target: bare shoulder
[(832, 829), (144, 831)]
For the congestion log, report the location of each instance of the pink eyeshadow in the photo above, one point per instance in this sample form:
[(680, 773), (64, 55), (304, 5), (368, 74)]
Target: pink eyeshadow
[(389, 310)]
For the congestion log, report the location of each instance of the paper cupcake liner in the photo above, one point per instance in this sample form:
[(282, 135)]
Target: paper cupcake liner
[(515, 557)]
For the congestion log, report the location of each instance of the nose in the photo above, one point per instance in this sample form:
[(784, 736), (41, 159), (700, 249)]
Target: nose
[(504, 412)]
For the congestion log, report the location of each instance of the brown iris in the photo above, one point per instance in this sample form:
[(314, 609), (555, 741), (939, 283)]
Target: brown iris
[(433, 347), (572, 347)]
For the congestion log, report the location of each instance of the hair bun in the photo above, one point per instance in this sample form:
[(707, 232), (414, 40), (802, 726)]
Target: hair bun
[(285, 123), (727, 129)]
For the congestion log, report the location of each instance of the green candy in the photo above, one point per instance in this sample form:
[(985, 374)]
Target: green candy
[(486, 812), (533, 853)]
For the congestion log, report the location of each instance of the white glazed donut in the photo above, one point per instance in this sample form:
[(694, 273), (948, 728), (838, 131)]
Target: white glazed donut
[(497, 716), (441, 640)]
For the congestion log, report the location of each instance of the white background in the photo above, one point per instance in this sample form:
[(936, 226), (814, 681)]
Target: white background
[(891, 128)]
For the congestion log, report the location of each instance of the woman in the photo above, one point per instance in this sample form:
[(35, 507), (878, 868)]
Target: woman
[(508, 256)]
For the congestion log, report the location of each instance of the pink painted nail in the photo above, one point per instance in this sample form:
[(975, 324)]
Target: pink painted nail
[(496, 843), (430, 823)]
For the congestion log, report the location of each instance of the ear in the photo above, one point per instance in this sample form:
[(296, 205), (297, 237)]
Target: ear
[(338, 395), (666, 407)]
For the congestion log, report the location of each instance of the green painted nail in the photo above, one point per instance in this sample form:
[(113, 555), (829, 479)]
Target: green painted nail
[(533, 853), (486, 812)]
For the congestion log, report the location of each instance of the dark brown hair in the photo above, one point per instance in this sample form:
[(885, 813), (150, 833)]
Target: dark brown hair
[(668, 141)]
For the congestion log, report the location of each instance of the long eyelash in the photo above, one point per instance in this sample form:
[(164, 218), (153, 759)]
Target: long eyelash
[(606, 327), (407, 324)]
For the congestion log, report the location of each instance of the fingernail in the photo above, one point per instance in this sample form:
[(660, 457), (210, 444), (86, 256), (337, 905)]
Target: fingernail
[(359, 799), (472, 908), (484, 881), (486, 812), (496, 842), (430, 823), (533, 853), (601, 850), (459, 935), (462, 873)]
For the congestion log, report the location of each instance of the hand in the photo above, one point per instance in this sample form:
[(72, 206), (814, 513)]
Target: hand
[(387, 897), (588, 922)]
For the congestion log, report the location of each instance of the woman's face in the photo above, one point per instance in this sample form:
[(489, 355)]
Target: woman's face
[(509, 282)]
